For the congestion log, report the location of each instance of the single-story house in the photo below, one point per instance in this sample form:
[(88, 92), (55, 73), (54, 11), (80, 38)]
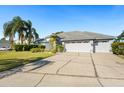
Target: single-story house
[(4, 43), (77, 41)]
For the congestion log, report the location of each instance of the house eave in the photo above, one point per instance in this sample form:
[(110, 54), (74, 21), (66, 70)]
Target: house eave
[(88, 39)]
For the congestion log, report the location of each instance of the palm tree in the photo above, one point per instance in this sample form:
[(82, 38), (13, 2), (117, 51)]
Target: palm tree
[(120, 37), (11, 27), (22, 32), (31, 33), (22, 27), (53, 40), (8, 32)]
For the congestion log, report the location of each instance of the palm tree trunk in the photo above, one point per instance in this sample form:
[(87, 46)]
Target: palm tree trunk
[(54, 44), (29, 40), (11, 42), (21, 41)]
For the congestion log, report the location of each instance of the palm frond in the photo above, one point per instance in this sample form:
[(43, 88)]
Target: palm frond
[(36, 35)]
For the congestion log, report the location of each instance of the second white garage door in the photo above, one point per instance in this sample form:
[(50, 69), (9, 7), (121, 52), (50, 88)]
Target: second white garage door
[(103, 47), (78, 47)]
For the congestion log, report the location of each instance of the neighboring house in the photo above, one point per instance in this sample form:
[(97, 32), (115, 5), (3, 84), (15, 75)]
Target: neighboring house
[(77, 41), (44, 41), (4, 43)]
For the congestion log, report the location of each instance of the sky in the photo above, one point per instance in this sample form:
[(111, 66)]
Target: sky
[(49, 19)]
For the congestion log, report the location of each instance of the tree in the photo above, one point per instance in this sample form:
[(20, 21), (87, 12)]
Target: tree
[(53, 40), (31, 33), (11, 27), (8, 32), (120, 37), (20, 28), (23, 28)]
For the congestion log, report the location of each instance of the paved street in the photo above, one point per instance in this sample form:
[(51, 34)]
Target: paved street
[(70, 70)]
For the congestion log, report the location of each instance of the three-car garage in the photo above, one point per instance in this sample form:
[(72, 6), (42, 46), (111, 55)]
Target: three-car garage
[(90, 46)]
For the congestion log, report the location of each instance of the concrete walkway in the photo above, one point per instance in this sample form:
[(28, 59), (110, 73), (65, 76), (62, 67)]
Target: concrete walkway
[(70, 70)]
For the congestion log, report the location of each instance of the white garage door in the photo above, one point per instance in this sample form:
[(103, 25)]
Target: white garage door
[(78, 47), (103, 47)]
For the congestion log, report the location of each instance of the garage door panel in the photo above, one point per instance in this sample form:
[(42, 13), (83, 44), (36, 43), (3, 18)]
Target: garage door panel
[(103, 47), (78, 47)]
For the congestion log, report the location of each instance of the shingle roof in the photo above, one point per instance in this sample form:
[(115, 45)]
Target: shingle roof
[(78, 35)]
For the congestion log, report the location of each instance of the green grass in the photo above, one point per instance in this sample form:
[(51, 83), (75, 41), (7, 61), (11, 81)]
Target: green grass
[(121, 56), (12, 59)]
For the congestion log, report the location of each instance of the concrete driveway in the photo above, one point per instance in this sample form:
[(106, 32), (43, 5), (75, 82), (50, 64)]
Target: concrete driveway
[(71, 70)]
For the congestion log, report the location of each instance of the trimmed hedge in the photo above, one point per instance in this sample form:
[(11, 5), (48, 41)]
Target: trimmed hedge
[(27, 47), (118, 48), (19, 47)]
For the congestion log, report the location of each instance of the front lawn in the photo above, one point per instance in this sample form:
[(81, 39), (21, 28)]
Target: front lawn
[(12, 59)]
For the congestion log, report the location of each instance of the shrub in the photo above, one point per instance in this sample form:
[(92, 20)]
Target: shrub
[(118, 48), (42, 47), (60, 48), (28, 47), (18, 47), (25, 47), (34, 50), (53, 51), (33, 46)]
